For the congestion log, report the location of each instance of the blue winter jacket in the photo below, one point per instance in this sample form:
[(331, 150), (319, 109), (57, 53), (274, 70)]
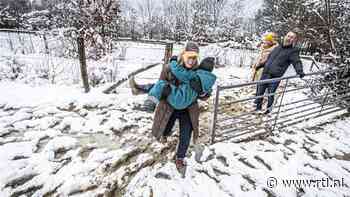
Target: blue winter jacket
[(183, 96)]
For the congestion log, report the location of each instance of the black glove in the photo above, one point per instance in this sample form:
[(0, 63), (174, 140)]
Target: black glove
[(196, 85), (301, 75), (173, 58), (204, 97), (165, 92), (148, 106)]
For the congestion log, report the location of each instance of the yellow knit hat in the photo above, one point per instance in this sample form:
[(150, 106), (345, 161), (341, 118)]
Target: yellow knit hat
[(269, 37)]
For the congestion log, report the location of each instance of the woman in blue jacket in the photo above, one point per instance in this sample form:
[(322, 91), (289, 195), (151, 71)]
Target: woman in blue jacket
[(165, 115), (182, 96)]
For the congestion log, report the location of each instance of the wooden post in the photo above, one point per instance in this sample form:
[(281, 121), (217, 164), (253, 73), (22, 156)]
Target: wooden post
[(168, 52), (45, 43), (82, 59), (31, 43), (212, 127), (10, 41)]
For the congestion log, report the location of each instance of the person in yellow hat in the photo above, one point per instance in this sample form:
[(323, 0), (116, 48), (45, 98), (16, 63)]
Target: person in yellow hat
[(268, 44)]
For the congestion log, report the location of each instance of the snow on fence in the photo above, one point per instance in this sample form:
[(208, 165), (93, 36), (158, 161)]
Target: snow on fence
[(39, 56), (24, 42), (231, 56), (35, 57)]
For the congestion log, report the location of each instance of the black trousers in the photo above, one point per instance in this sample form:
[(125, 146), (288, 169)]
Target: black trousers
[(185, 131), (270, 87), (185, 126)]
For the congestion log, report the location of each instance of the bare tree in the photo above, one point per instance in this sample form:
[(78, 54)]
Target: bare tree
[(321, 23), (147, 11)]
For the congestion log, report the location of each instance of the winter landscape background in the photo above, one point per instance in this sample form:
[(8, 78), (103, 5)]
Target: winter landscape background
[(57, 139)]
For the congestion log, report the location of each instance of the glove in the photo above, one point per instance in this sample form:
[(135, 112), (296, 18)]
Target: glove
[(165, 92), (204, 97), (196, 85), (301, 75), (173, 58), (149, 106)]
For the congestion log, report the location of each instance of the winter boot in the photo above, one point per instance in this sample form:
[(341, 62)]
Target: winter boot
[(258, 110), (181, 166), (268, 110), (164, 139), (134, 87)]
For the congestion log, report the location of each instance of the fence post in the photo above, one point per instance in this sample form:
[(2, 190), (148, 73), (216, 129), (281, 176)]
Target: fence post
[(324, 100), (82, 59), (45, 43), (215, 115), (20, 42), (168, 52), (31, 42), (10, 42), (279, 108)]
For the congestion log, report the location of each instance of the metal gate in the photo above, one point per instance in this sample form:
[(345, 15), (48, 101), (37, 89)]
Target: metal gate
[(296, 100)]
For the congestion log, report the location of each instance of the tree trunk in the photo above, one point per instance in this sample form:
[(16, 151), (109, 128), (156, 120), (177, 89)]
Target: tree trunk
[(82, 59)]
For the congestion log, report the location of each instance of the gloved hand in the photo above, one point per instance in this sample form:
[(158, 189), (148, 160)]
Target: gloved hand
[(149, 105), (196, 85), (204, 97), (301, 75), (165, 92), (173, 58)]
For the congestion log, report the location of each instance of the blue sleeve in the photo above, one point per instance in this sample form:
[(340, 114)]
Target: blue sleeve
[(181, 73)]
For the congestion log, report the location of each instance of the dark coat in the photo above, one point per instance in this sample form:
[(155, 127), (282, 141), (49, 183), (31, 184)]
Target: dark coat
[(163, 111), (279, 60)]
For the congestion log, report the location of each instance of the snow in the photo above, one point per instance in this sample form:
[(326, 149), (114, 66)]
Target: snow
[(57, 140)]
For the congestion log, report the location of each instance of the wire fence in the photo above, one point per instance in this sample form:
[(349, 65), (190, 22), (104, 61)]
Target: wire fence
[(237, 56), (40, 55)]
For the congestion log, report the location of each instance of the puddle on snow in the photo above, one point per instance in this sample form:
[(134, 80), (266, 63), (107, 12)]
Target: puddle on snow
[(99, 140)]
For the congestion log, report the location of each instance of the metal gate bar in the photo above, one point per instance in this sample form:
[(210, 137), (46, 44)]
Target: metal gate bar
[(317, 104), (285, 110)]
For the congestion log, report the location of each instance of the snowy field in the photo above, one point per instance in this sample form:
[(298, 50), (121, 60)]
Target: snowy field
[(57, 141)]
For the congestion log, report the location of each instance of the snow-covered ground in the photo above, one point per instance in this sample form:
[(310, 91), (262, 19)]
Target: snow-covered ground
[(57, 141)]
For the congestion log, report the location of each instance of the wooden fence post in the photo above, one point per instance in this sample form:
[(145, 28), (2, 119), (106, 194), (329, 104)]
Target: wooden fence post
[(10, 42), (168, 52), (46, 45), (82, 59)]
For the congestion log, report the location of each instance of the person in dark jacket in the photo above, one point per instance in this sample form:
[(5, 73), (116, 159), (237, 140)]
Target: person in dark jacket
[(276, 65)]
